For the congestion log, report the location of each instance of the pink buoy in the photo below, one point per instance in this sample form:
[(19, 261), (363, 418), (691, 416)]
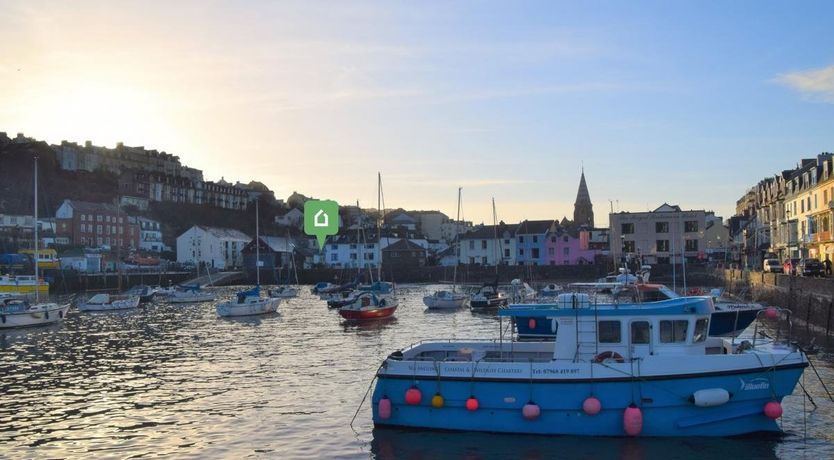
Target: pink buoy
[(771, 312), (531, 411), (773, 410), (633, 420), (472, 404), (591, 405), (384, 408), (413, 396), (531, 323)]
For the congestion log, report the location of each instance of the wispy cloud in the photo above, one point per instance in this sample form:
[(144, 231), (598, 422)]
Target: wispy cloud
[(816, 84)]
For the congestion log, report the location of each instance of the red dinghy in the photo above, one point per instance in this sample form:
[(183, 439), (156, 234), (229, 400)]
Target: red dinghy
[(370, 306)]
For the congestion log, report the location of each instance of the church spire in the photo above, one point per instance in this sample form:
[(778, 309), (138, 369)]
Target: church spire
[(583, 210)]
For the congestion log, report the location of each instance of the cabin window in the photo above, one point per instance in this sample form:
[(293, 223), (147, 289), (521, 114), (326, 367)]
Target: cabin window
[(609, 332), (640, 332), (700, 330), (673, 331)]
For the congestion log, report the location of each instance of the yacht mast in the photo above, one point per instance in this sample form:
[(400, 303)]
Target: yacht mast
[(257, 247), (457, 242), (495, 228), (37, 278)]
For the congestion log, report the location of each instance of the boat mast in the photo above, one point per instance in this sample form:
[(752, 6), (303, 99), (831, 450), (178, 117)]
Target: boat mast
[(37, 279), (379, 224), (457, 250), (257, 248), (495, 228)]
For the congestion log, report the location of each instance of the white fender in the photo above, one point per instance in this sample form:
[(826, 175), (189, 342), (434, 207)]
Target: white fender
[(710, 397)]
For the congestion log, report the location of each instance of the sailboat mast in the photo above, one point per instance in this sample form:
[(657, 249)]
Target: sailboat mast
[(257, 247), (457, 249), (495, 228), (379, 223), (37, 279)]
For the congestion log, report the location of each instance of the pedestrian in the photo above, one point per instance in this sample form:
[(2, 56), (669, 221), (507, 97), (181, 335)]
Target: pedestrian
[(827, 266)]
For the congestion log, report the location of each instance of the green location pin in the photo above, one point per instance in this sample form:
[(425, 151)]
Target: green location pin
[(321, 219)]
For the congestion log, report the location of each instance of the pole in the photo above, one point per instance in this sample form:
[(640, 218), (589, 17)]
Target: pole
[(257, 246), (495, 229), (37, 278), (379, 223), (457, 250)]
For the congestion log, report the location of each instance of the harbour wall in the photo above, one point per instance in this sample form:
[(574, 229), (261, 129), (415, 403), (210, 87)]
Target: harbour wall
[(811, 300)]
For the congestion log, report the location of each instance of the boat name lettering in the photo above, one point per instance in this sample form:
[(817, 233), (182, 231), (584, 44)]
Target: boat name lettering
[(755, 384), (466, 369)]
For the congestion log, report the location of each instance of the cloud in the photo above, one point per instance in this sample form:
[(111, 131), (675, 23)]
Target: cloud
[(815, 84)]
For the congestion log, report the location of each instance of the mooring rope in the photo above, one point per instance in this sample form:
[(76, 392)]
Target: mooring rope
[(367, 392)]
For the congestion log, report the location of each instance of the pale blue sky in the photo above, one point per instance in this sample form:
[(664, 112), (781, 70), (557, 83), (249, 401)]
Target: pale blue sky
[(662, 101)]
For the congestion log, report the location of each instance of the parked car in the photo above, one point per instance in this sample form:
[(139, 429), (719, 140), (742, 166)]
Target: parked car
[(810, 267), (772, 266)]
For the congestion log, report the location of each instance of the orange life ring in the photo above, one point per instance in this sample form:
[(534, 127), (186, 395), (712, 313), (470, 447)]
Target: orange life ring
[(606, 355)]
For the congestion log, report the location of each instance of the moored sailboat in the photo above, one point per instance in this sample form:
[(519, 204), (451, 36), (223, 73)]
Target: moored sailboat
[(444, 299), (109, 302)]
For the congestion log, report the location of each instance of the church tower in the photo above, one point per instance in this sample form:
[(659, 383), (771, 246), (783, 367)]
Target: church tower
[(583, 210)]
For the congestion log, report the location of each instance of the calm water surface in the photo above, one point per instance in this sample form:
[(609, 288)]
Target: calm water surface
[(176, 381)]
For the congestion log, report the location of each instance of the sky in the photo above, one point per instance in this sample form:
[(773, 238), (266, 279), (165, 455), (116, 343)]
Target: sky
[(685, 103)]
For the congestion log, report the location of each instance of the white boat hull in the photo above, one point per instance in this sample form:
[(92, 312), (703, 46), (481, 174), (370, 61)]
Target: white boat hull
[(250, 308), (36, 315), (189, 298), (285, 293), (445, 303), (122, 304)]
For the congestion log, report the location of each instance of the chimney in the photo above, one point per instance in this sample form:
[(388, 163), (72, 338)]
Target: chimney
[(119, 145), (88, 144)]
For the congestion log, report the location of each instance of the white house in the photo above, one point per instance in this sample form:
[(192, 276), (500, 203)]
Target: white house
[(483, 248), (292, 218), (216, 247), (150, 235)]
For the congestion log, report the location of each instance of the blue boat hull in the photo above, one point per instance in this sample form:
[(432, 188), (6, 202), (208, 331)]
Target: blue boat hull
[(664, 403)]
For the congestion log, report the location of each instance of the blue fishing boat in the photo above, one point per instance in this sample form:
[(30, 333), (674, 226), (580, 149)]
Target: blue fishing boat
[(729, 318), (624, 370)]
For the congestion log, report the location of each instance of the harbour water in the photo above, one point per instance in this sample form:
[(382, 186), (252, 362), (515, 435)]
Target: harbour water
[(176, 381)]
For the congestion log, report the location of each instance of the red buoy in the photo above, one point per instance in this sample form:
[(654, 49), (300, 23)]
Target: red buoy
[(591, 405), (531, 411), (531, 323), (413, 396), (384, 408), (771, 312), (472, 404), (632, 420), (773, 410)]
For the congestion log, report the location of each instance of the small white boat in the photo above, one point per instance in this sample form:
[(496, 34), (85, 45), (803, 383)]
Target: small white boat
[(283, 292), (15, 311), (108, 302), (521, 292), (190, 294), (248, 303), (551, 290), (445, 300)]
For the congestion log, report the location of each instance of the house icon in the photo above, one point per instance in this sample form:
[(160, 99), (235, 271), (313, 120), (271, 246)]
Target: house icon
[(321, 219)]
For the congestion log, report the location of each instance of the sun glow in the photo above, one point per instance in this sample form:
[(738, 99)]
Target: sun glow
[(100, 110)]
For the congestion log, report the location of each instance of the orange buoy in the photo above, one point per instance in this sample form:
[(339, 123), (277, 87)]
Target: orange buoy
[(773, 410), (531, 411), (437, 401), (632, 420), (384, 408), (472, 404), (413, 396), (591, 405), (531, 323)]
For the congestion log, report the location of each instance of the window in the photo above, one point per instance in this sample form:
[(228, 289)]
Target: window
[(690, 226), (334, 257), (483, 244), (334, 247), (691, 245), (353, 246), (566, 251), (353, 256), (535, 239), (507, 253), (521, 251), (673, 331), (483, 260), (609, 332), (700, 333), (662, 245), (98, 230), (639, 332), (98, 217), (535, 253), (520, 239), (627, 229), (661, 227), (552, 239), (565, 239), (551, 251), (83, 217), (507, 242), (471, 244)]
